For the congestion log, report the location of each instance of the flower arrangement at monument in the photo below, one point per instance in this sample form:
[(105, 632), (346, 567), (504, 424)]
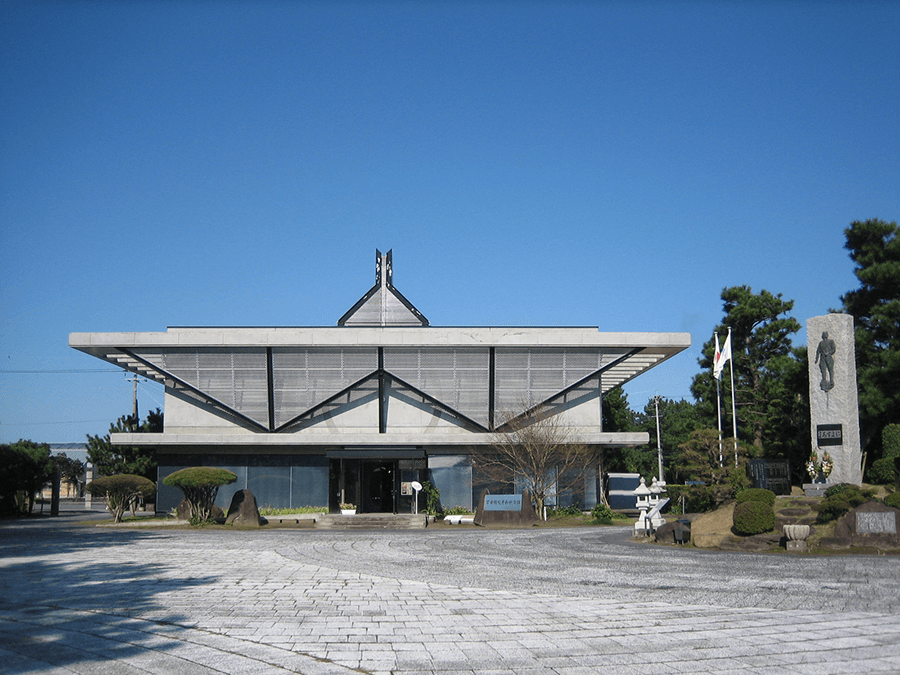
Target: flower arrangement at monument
[(816, 468), (812, 465), (826, 466)]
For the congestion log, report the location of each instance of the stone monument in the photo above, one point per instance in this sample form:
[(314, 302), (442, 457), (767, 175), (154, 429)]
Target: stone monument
[(834, 408)]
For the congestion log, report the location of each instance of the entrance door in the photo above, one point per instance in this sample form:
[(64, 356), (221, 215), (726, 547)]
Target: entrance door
[(379, 489), (370, 484)]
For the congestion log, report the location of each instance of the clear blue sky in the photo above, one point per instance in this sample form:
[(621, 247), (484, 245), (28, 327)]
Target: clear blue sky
[(530, 163)]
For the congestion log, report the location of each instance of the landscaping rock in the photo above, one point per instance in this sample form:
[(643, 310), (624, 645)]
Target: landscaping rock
[(847, 531), (243, 510), (183, 511), (674, 533)]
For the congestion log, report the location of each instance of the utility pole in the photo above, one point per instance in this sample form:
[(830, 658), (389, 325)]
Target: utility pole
[(134, 407), (658, 440)]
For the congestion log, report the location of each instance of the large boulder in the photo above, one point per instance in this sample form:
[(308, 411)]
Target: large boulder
[(243, 510), (869, 525), (678, 532)]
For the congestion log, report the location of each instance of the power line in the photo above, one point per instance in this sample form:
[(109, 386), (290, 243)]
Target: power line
[(35, 424)]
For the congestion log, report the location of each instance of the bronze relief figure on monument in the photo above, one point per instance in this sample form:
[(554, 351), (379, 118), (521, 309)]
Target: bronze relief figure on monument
[(825, 358)]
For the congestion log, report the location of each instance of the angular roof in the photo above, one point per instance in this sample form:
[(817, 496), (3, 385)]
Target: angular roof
[(383, 305), (275, 378)]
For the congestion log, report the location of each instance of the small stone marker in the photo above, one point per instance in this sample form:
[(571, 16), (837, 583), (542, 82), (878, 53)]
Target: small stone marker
[(872, 525), (876, 522), (505, 510)]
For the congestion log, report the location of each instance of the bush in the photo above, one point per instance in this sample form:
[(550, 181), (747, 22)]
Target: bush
[(200, 485), (602, 515), (571, 510), (890, 441), (839, 499), (756, 495), (893, 499), (121, 491), (432, 499), (24, 468), (753, 518), (882, 472), (697, 498)]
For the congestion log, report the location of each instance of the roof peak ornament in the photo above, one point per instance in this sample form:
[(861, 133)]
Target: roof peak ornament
[(383, 305)]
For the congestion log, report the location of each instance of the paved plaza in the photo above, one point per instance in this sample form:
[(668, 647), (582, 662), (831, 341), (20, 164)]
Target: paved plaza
[(88, 599)]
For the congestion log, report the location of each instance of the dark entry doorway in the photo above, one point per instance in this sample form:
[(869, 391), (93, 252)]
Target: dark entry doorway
[(378, 488), (370, 484)]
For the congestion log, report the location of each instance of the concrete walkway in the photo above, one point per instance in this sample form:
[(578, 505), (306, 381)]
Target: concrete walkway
[(83, 599)]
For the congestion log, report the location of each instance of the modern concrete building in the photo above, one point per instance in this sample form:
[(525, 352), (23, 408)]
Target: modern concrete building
[(356, 412)]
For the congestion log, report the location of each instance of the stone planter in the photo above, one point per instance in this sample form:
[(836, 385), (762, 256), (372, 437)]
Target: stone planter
[(796, 536), (348, 512)]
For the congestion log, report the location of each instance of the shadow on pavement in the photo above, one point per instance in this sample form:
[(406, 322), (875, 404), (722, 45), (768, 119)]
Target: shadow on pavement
[(65, 599)]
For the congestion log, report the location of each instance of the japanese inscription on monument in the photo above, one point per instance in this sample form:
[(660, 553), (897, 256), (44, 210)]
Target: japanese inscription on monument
[(876, 522)]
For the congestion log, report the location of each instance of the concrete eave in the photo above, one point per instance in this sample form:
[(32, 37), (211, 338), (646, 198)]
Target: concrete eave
[(382, 336), (352, 440)]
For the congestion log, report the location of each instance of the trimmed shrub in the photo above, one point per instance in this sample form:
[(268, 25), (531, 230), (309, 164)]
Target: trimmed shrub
[(839, 488), (756, 495), (882, 472), (893, 499), (839, 499), (121, 492), (571, 510), (753, 518), (602, 515), (200, 485)]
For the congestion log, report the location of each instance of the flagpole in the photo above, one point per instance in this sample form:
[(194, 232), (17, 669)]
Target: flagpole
[(733, 399), (718, 398)]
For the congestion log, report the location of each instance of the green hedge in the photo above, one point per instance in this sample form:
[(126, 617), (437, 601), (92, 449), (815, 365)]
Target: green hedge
[(882, 472), (839, 499), (893, 499), (753, 518), (756, 495)]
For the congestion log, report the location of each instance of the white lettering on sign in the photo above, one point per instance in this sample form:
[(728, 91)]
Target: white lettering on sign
[(876, 522), (503, 502)]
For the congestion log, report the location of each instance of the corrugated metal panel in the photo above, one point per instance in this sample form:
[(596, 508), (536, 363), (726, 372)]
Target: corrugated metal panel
[(237, 377), (526, 377), (458, 378), (305, 377)]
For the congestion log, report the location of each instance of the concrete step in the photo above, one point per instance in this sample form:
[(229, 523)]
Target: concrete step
[(372, 521)]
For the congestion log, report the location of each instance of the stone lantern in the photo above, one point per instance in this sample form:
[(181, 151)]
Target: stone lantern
[(642, 494), (655, 491)]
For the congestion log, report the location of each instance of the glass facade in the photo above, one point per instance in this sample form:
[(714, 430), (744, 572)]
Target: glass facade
[(278, 481)]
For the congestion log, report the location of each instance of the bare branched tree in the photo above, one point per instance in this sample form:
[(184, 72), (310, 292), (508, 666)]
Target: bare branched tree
[(537, 451)]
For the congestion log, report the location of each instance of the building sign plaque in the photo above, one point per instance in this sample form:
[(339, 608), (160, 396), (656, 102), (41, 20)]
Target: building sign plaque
[(829, 434), (876, 522), (503, 502)]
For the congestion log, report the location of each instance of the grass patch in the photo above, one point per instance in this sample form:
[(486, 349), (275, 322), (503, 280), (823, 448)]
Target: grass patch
[(269, 511)]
